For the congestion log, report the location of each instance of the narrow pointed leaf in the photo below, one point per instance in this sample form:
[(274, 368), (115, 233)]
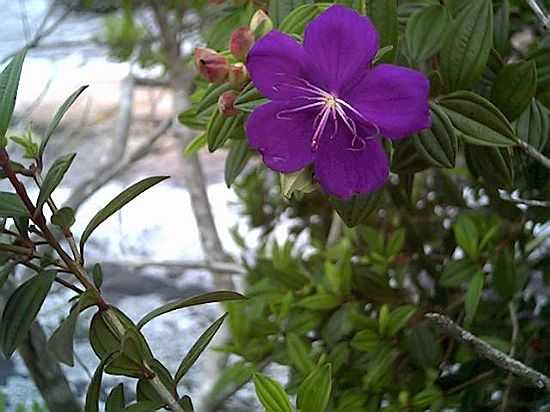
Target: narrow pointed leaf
[(12, 206), (472, 298), (116, 401), (297, 19), (279, 9), (211, 297), (314, 392), (383, 14), (118, 203), (514, 87), (238, 156), (94, 389), (53, 178), (198, 347), (533, 126), (61, 343), (425, 31), (59, 116), (9, 83), (271, 394), (21, 310)]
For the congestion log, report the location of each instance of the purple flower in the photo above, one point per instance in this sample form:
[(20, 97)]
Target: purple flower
[(330, 106)]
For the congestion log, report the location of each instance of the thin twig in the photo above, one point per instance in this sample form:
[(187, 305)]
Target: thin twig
[(482, 348), (513, 345), (534, 153)]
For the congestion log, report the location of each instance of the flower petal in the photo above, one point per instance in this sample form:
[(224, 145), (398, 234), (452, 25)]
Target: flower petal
[(343, 172), (394, 98), (276, 58), (284, 143), (342, 43)]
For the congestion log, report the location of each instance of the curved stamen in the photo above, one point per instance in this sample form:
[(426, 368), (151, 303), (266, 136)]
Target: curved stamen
[(322, 122), (297, 109)]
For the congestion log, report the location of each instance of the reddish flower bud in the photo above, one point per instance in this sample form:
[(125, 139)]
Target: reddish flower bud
[(211, 65), (260, 24), (238, 75), (241, 42), (226, 103)]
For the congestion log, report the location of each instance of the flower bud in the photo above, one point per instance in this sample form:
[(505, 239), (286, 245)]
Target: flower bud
[(241, 42), (260, 24), (211, 65), (226, 103), (238, 75)]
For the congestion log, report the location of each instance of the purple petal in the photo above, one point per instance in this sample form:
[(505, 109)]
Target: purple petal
[(342, 43), (395, 99), (343, 172), (274, 60), (285, 144)]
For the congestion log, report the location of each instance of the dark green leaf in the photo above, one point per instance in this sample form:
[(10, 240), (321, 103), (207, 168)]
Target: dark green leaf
[(472, 297), (145, 391), (97, 273), (366, 341), (236, 160), (61, 343), (505, 278), (21, 310), (298, 353), (383, 14), (9, 83), (466, 50), (198, 348), (219, 296), (249, 99), (501, 34), (271, 394), (117, 203), (399, 318), (279, 9), (457, 272), (220, 129), (12, 206), (356, 210), (467, 235), (478, 121), (145, 406), (314, 392), (53, 178), (514, 87), (493, 164), (533, 126), (116, 401), (211, 96), (59, 115), (297, 19), (438, 145), (407, 159), (425, 31), (94, 389)]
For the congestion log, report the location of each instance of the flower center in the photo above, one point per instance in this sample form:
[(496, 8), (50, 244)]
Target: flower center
[(331, 109)]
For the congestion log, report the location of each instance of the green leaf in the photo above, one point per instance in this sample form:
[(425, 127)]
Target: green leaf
[(425, 31), (58, 116), (395, 242), (145, 391), (249, 99), (366, 341), (466, 50), (314, 392), (297, 19), (64, 218), (494, 164), (279, 9), (457, 272), (320, 301), (501, 33), (467, 235), (399, 318), (271, 394), (438, 145), (195, 145), (505, 278), (94, 389), (9, 83), (21, 310), (198, 348), (477, 120), (144, 406), (190, 119), (383, 14), (12, 206), (61, 343), (298, 353), (5, 273), (118, 203), (116, 400), (533, 126), (514, 87), (97, 273), (53, 178), (357, 209), (236, 160), (211, 96), (472, 297), (220, 129), (407, 159), (211, 297), (297, 182)]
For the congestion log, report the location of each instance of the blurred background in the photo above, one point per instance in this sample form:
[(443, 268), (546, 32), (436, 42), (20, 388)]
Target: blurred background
[(122, 129)]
